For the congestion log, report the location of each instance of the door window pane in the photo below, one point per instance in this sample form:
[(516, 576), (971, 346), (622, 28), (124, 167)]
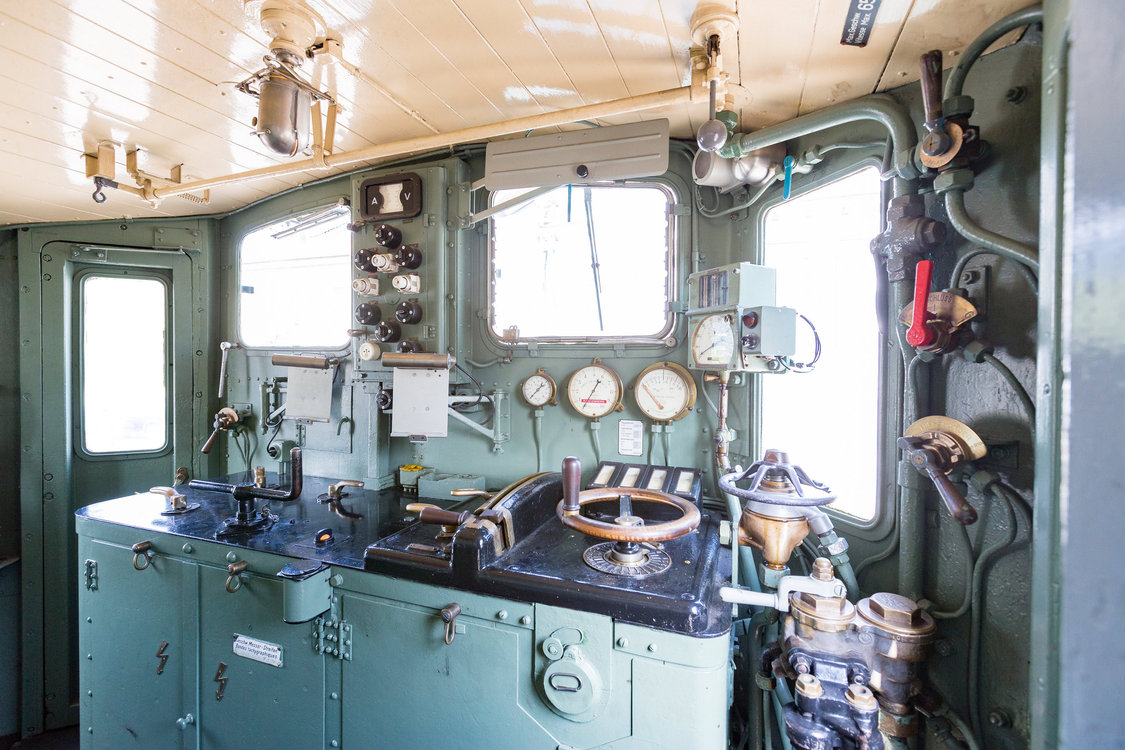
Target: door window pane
[(583, 262), (295, 282), (828, 419), (124, 364)]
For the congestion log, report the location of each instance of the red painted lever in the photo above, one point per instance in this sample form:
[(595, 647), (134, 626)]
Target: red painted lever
[(920, 334)]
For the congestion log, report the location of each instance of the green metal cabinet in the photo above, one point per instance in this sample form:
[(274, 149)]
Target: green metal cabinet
[(373, 670)]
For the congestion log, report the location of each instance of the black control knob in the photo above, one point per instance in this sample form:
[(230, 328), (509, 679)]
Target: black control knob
[(408, 347), (383, 399), (388, 332), (409, 256), (408, 312), (388, 236), (368, 314), (362, 260)]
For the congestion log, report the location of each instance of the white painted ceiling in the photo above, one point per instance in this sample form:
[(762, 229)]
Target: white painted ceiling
[(157, 75)]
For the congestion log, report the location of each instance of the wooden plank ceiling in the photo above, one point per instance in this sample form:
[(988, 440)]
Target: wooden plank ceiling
[(158, 75)]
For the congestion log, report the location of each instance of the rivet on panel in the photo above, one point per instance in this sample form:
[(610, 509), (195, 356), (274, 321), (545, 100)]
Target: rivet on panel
[(334, 743), (525, 620), (89, 619), (652, 648), (502, 614), (334, 696), (231, 557), (622, 642), (89, 730), (188, 549), (89, 657)]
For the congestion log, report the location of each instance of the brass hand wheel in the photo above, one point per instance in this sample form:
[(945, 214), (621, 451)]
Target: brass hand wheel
[(623, 530)]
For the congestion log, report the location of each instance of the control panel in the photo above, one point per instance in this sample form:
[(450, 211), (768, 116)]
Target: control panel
[(401, 264), (734, 323)]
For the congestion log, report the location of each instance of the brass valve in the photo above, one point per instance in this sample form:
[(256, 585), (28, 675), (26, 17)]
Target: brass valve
[(937, 445), (225, 419)]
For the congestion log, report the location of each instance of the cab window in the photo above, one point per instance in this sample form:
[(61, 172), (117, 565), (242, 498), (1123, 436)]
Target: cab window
[(819, 244), (583, 262), (295, 282)]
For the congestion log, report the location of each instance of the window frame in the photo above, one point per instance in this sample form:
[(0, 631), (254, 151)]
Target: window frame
[(237, 267), (671, 281), (80, 279), (890, 368)]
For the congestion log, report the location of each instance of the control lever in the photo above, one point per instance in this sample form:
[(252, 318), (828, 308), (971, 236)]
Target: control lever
[(225, 418), (936, 141), (936, 320), (225, 347), (919, 334), (935, 446), (245, 492)]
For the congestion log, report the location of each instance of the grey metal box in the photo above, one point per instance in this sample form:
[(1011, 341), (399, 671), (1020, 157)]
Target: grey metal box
[(738, 285)]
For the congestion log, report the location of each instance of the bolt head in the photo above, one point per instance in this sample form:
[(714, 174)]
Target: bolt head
[(896, 610), (822, 569)]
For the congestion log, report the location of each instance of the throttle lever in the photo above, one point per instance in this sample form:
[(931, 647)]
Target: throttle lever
[(920, 334)]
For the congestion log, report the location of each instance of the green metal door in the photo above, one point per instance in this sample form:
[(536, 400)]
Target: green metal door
[(261, 679), (117, 392), (137, 639)]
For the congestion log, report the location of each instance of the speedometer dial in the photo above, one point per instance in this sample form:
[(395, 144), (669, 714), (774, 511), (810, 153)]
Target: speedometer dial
[(712, 343), (595, 390), (665, 392)]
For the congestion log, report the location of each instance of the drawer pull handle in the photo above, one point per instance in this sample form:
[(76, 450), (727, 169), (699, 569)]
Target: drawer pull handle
[(142, 549)]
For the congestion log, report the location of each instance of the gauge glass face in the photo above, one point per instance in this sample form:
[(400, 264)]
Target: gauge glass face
[(662, 394), (594, 391), (538, 390), (713, 341)]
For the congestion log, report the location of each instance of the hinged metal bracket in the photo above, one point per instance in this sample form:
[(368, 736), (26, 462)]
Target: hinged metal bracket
[(333, 637), (91, 575)]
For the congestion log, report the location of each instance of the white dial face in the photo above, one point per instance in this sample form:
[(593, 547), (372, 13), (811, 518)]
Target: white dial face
[(662, 394), (538, 390), (713, 341), (594, 391)]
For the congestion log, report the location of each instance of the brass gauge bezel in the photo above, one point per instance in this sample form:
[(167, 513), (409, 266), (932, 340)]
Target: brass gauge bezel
[(552, 397), (679, 371), (616, 404)]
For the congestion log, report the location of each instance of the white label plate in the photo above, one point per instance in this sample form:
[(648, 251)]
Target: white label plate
[(263, 651), (630, 437)]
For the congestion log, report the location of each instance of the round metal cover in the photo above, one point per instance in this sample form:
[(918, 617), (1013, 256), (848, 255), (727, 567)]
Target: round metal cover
[(599, 558)]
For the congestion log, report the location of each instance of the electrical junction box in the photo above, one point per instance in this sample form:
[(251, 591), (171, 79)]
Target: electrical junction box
[(774, 333), (738, 286)]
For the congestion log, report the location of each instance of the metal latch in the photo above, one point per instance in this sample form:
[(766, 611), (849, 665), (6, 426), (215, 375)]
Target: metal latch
[(449, 617), (142, 549), (91, 575), (235, 576)]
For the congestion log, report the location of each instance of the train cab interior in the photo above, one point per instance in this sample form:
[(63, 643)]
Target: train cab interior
[(561, 374)]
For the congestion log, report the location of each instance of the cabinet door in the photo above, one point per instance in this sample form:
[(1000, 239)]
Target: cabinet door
[(262, 705), (137, 648)]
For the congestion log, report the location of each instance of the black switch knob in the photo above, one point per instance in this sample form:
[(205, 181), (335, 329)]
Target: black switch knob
[(388, 236), (362, 260), (408, 312), (368, 314), (409, 256), (388, 332), (408, 347)]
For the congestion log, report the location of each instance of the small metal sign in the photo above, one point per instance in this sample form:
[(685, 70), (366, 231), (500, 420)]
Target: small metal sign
[(263, 651), (859, 22)]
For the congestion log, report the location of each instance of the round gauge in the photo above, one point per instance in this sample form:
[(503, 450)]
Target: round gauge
[(665, 392), (595, 390), (712, 343), (539, 389)]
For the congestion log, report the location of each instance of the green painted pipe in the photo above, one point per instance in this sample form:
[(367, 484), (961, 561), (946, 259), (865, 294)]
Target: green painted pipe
[(878, 107), (1025, 17), (1003, 246)]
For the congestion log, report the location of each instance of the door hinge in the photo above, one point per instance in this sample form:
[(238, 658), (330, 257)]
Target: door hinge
[(333, 637), (91, 575)]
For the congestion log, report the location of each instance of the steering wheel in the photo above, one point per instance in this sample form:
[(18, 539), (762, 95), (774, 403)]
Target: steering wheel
[(627, 527)]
